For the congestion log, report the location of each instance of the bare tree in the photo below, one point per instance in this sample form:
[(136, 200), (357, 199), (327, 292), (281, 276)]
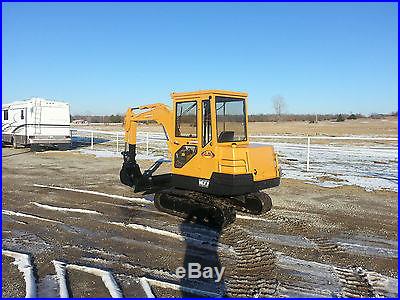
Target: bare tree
[(279, 105)]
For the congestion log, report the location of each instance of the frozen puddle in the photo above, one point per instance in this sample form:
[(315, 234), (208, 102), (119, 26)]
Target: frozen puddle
[(105, 276), (23, 262)]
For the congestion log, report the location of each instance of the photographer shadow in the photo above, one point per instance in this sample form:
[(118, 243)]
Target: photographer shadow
[(201, 253)]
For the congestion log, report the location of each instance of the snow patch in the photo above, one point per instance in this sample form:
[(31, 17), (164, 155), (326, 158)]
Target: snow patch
[(136, 200), (19, 214), (23, 262), (369, 250), (60, 268), (372, 168), (101, 153), (109, 153), (65, 209), (106, 276), (207, 244), (244, 217), (152, 230), (177, 287), (146, 287)]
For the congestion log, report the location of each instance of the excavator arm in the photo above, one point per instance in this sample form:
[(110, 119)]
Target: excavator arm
[(130, 173), (157, 112)]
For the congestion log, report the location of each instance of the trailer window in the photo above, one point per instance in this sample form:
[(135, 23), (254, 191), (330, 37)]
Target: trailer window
[(22, 114), (5, 117), (186, 119), (206, 113)]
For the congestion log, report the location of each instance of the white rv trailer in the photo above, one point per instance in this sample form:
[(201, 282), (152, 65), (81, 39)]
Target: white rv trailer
[(36, 122)]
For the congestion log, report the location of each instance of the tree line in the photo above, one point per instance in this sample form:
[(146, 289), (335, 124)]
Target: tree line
[(312, 118), (279, 106)]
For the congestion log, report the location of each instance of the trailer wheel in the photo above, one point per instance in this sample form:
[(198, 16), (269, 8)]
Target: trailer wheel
[(64, 147), (14, 143), (36, 148)]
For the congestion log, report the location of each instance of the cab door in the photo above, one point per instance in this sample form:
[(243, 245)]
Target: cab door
[(185, 146), (207, 145)]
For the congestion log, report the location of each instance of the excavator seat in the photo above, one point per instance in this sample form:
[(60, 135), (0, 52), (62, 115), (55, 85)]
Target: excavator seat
[(226, 136)]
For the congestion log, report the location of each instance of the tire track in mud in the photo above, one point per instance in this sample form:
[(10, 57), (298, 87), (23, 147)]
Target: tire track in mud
[(255, 263), (323, 243), (355, 283), (253, 274), (358, 282)]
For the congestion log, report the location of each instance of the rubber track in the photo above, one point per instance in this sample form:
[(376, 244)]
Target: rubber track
[(194, 199), (254, 271)]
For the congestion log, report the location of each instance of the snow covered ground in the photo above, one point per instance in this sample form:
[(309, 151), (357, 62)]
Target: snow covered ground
[(332, 166)]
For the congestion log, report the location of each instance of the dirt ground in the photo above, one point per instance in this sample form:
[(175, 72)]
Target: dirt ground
[(316, 241), (364, 126)]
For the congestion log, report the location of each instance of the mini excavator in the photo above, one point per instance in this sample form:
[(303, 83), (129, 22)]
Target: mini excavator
[(215, 170)]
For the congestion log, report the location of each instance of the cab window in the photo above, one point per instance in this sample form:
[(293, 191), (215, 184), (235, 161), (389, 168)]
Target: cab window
[(186, 119), (231, 119)]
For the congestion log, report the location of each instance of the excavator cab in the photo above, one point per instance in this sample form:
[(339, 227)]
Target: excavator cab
[(211, 157)]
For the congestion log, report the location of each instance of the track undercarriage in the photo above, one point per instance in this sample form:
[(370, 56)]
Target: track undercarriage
[(212, 210), (208, 209)]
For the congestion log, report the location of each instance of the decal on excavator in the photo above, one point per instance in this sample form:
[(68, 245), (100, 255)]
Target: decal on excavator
[(204, 183)]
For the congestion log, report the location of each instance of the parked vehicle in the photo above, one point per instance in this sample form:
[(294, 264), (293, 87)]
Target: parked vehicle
[(36, 123)]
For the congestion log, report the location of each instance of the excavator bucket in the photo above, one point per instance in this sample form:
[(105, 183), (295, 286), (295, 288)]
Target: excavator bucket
[(130, 173)]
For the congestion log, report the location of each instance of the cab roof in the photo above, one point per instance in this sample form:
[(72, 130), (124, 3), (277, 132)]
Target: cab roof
[(185, 95)]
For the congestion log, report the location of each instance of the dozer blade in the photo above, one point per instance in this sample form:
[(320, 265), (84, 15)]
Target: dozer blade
[(196, 207)]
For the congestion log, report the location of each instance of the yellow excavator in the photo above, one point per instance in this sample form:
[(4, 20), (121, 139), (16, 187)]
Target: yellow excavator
[(215, 170)]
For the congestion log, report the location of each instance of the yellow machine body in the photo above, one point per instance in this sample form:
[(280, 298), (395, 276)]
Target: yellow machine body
[(239, 157), (209, 143)]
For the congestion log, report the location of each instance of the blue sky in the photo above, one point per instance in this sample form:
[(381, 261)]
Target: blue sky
[(103, 58)]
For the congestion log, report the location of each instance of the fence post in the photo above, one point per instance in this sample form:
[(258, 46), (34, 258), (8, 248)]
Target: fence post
[(91, 141), (117, 142), (147, 144), (308, 153)]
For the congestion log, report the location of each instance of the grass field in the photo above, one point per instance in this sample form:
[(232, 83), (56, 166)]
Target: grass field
[(364, 126)]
